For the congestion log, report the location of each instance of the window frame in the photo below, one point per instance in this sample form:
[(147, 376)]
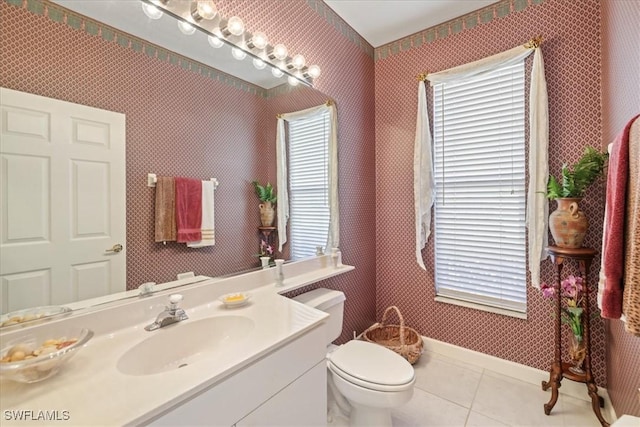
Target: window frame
[(300, 247), (517, 309)]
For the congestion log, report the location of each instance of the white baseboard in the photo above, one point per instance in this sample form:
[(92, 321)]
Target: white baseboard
[(515, 370)]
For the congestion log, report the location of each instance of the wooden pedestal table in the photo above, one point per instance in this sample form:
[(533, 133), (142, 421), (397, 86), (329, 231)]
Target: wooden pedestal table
[(268, 234), (559, 369)]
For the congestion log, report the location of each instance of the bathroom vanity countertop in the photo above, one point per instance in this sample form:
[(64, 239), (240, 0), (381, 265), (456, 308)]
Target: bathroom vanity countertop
[(93, 391)]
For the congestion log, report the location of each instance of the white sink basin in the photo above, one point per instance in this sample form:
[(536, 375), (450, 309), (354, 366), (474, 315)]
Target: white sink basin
[(183, 343)]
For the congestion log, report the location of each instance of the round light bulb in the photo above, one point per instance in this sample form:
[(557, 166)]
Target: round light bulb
[(186, 28), (215, 42), (152, 11), (259, 40), (280, 51), (235, 26), (259, 63), (314, 71), (238, 53), (206, 9), (292, 81), (277, 72), (298, 62)]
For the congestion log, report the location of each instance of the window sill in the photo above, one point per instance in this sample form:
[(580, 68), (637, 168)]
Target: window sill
[(476, 306)]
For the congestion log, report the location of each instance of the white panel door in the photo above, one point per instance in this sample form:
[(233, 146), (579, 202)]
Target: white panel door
[(62, 201)]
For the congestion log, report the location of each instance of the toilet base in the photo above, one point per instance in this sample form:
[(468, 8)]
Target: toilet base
[(366, 416)]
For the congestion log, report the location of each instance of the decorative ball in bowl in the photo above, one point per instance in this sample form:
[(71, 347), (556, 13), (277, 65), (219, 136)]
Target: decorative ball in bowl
[(32, 315), (33, 357)]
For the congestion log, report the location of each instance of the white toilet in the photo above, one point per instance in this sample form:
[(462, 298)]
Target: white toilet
[(373, 379)]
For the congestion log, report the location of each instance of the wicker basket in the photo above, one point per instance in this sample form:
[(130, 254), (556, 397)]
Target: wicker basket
[(400, 338)]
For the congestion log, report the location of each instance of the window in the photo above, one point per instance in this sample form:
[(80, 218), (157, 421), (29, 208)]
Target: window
[(309, 184), (479, 171)]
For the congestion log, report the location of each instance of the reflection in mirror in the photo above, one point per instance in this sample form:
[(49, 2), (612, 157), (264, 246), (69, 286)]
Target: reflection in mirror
[(181, 118), (307, 165)]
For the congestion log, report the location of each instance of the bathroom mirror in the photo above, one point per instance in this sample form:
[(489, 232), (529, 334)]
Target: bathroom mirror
[(183, 118)]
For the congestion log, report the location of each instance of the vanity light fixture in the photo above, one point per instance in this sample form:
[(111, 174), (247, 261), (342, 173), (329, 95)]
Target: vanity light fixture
[(259, 63), (214, 41), (279, 51), (238, 53), (186, 28), (313, 71), (258, 40), (203, 9), (233, 26), (298, 62), (152, 11), (203, 15)]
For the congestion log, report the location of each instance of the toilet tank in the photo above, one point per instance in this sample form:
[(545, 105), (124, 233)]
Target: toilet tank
[(329, 301)]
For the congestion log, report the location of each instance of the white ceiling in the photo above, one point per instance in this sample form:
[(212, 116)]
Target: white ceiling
[(383, 21)]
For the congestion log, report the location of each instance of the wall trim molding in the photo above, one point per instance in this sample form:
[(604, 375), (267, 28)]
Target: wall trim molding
[(518, 371), (453, 26), (329, 15), (61, 15)]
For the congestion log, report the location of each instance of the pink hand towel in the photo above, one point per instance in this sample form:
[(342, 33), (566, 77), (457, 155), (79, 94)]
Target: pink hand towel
[(613, 256), (188, 209)]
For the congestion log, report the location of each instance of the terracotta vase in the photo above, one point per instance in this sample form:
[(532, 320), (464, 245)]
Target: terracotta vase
[(266, 214), (568, 224), (577, 353)]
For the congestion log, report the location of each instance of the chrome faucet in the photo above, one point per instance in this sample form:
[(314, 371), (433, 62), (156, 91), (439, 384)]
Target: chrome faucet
[(171, 314)]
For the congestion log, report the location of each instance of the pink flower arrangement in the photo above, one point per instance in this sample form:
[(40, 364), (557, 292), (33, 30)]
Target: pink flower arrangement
[(265, 248), (571, 289)]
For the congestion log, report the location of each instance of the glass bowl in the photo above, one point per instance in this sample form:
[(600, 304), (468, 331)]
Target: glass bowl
[(30, 315), (34, 357)]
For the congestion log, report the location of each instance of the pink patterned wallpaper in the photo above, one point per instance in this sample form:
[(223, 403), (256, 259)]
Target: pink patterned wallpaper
[(309, 27), (621, 101), (174, 127), (573, 77)]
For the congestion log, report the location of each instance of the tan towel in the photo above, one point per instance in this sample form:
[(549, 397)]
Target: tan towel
[(165, 209), (631, 278)]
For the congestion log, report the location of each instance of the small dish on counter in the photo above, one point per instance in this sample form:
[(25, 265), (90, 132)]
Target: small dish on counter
[(34, 357), (235, 299), (29, 315)]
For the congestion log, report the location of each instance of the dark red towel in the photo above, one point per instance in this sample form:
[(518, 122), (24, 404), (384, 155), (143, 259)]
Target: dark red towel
[(188, 209), (613, 255)]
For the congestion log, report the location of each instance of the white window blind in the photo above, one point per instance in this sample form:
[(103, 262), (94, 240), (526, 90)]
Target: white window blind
[(308, 184), (479, 168)]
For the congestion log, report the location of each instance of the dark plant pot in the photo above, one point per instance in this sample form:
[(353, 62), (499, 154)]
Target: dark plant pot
[(568, 224)]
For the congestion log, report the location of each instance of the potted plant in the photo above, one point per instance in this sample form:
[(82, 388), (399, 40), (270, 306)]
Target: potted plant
[(568, 224), (267, 196)]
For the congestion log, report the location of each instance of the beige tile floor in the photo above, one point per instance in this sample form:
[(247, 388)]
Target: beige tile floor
[(451, 393)]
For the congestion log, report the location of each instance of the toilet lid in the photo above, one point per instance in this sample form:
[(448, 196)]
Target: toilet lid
[(372, 364)]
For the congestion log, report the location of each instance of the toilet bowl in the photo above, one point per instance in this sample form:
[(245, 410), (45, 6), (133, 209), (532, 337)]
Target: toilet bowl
[(371, 378)]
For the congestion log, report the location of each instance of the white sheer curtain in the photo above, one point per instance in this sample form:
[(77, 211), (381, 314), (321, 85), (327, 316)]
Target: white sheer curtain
[(537, 203), (333, 238), (423, 183)]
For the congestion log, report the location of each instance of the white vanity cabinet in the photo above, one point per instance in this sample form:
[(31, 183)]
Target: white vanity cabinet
[(301, 403), (286, 387)]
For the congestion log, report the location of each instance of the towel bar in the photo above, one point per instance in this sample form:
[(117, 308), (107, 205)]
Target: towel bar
[(152, 178)]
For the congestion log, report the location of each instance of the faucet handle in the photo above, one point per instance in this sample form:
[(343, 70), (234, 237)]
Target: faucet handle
[(174, 300)]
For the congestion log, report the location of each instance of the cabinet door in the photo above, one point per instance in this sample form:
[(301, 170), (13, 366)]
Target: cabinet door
[(301, 403)]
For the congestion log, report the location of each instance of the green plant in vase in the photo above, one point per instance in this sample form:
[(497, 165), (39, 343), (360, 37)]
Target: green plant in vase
[(568, 224), (267, 196)]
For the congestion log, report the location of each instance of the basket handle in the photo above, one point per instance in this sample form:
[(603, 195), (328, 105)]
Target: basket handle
[(384, 318)]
